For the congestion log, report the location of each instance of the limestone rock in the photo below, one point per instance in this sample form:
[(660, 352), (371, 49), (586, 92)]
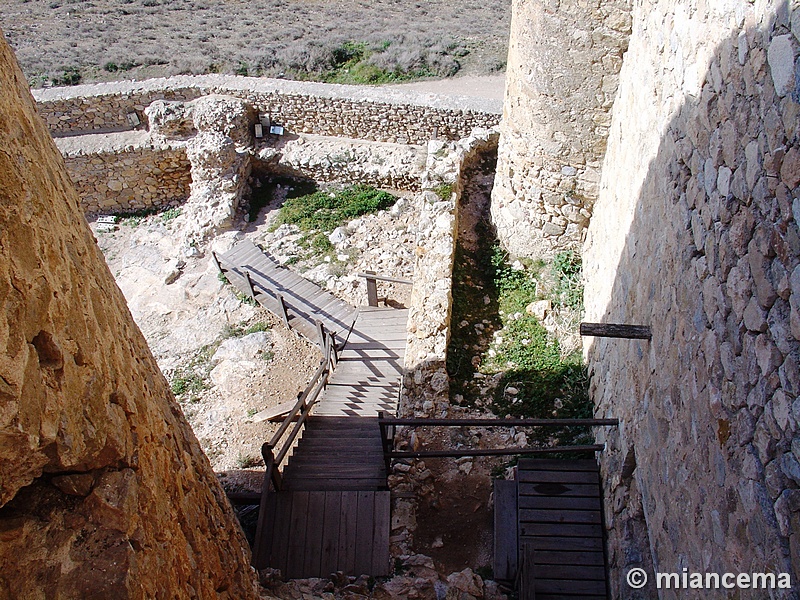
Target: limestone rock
[(171, 120), (780, 57), (232, 117)]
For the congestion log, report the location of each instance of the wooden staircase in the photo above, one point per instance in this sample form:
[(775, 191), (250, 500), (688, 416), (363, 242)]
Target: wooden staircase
[(337, 453), (549, 530), (330, 507)]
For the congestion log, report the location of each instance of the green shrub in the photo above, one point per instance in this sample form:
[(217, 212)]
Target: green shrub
[(327, 210), (68, 76), (567, 272)]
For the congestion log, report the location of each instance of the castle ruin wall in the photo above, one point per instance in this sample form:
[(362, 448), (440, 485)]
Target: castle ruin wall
[(358, 112), (563, 64), (695, 233)]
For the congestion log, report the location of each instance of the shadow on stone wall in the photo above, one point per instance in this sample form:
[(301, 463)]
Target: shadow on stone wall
[(702, 472)]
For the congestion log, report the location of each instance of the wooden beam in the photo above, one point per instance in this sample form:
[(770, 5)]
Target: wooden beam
[(372, 288), (495, 451), (216, 262), (616, 330), (282, 309), (248, 280)]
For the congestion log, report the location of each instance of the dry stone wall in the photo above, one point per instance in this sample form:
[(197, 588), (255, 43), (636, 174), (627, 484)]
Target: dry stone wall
[(368, 113), (126, 173), (104, 490), (380, 164), (563, 62), (695, 233)]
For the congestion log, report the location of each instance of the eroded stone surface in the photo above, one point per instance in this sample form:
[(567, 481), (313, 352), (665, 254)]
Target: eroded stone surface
[(82, 394)]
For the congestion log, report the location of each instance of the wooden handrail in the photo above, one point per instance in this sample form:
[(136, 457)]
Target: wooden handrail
[(369, 275), (387, 427), (300, 405), (499, 422), (494, 451)]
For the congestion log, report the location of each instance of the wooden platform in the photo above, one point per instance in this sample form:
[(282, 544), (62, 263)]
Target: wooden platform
[(314, 534), (549, 531)]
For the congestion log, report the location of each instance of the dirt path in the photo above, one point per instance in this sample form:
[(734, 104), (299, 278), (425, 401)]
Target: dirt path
[(477, 86)]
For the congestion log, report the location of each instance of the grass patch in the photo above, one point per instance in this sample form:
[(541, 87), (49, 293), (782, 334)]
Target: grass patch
[(444, 191), (529, 374), (231, 331), (327, 210), (191, 378), (169, 214)]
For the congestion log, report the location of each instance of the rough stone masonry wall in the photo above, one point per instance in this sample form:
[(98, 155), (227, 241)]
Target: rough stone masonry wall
[(359, 112), (563, 61), (695, 233), (133, 177), (104, 490)]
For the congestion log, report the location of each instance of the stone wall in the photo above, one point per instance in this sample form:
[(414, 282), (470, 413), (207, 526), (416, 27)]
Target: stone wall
[(341, 160), (561, 79), (360, 112), (426, 382), (695, 233), (126, 172), (104, 490)]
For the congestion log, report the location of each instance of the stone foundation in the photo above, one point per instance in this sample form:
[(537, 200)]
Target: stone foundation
[(126, 172)]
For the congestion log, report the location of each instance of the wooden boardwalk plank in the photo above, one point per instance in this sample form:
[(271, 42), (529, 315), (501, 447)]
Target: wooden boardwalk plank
[(364, 533), (297, 535), (329, 562), (347, 532), (314, 530), (380, 535), (505, 530), (280, 546)]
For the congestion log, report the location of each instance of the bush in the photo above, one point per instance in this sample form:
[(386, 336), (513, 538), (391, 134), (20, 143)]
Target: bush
[(68, 76), (327, 210)]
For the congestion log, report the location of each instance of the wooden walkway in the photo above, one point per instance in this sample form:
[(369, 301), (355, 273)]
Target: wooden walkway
[(332, 512), (549, 531), (278, 288)]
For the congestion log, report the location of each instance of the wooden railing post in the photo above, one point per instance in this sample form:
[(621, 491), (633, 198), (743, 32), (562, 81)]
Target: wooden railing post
[(282, 309), (321, 334), (372, 289), (216, 262), (249, 283), (330, 351), (271, 476), (385, 442)]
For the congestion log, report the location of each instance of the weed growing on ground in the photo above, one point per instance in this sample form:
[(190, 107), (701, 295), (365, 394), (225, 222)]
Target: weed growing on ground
[(506, 345), (191, 378), (445, 191), (240, 330), (325, 211), (169, 214), (245, 461)]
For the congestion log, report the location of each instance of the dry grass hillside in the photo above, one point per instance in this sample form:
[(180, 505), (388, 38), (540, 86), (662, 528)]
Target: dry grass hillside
[(62, 42)]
